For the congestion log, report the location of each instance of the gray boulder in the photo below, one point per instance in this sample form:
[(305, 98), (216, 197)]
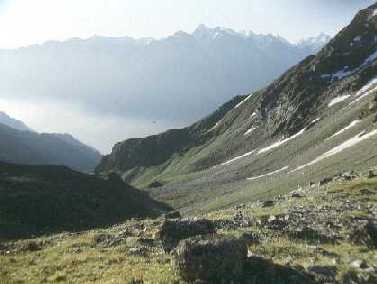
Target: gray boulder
[(213, 260), (323, 274)]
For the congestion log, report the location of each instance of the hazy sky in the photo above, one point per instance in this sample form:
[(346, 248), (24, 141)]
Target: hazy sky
[(23, 22)]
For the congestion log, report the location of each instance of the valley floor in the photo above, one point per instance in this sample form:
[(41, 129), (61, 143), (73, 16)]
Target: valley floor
[(317, 231)]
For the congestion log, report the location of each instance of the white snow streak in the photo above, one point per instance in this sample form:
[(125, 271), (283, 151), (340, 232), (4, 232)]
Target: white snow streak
[(344, 72), (243, 101), (357, 39), (238, 158), (216, 125), (249, 131), (252, 128), (366, 91), (338, 100), (281, 142), (269, 174), (336, 150), (352, 124)]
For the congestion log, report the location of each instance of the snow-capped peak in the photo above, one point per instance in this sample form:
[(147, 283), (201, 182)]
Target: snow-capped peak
[(204, 32), (315, 42)]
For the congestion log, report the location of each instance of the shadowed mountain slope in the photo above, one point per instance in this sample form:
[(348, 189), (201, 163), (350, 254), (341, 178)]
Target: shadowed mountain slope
[(43, 199)]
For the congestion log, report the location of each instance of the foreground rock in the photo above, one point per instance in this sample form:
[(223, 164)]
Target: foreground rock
[(173, 231), (214, 260)]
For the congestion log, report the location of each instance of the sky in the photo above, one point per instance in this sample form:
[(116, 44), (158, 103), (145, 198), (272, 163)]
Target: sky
[(25, 22)]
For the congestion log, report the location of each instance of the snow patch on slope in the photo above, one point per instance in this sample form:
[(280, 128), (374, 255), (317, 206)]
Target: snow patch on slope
[(344, 72), (249, 131), (338, 149), (215, 126), (269, 174), (243, 101), (238, 158), (365, 91), (338, 100), (281, 142), (352, 124)]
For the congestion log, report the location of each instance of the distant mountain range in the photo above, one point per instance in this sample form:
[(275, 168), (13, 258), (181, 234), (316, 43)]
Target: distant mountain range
[(19, 144), (179, 78)]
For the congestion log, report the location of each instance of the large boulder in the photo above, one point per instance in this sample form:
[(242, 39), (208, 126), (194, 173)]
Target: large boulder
[(173, 231), (214, 260)]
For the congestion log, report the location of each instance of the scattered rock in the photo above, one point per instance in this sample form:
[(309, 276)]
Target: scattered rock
[(30, 246), (310, 235), (348, 176), (371, 174), (251, 238), (296, 195), (323, 274), (359, 263), (326, 180), (173, 231), (366, 191), (214, 260), (155, 184), (106, 240), (268, 203), (173, 215), (359, 277), (277, 222), (139, 251)]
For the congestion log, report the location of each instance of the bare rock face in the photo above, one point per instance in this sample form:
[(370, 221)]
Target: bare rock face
[(213, 260), (173, 231)]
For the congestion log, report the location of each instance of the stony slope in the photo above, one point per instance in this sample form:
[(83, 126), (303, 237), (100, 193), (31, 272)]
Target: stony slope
[(316, 119), (316, 234), (43, 199), (26, 147)]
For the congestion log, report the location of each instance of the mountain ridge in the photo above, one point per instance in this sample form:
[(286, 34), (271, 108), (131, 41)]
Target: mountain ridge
[(128, 80)]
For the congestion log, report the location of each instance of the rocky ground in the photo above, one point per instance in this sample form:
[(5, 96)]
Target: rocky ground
[(323, 233)]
